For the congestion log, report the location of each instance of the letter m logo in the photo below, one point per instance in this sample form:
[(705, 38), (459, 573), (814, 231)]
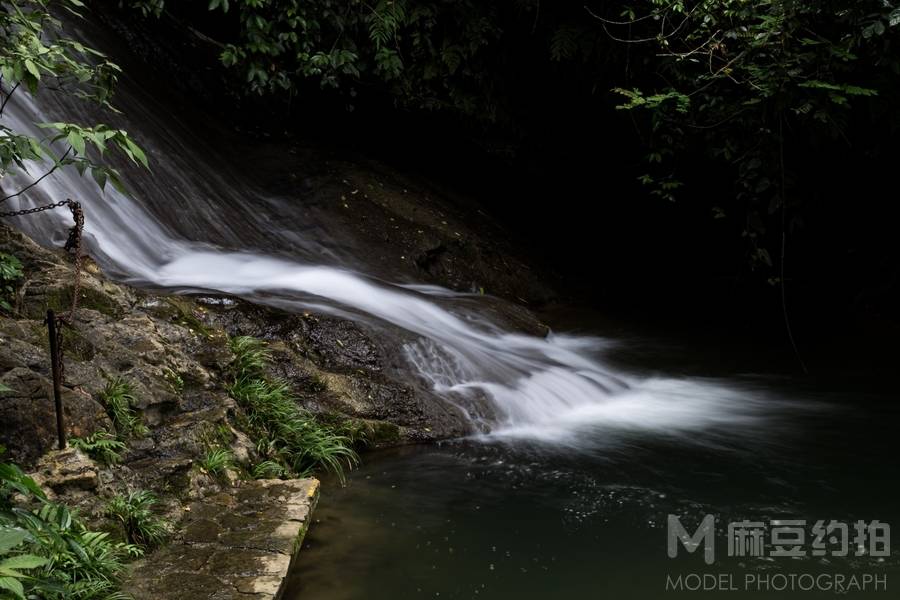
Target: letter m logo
[(706, 534)]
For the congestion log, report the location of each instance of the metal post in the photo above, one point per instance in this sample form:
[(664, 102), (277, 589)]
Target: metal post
[(57, 383)]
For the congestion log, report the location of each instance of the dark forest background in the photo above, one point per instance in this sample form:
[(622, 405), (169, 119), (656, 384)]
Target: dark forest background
[(659, 154)]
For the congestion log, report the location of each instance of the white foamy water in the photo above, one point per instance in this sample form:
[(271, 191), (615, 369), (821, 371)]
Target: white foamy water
[(555, 389)]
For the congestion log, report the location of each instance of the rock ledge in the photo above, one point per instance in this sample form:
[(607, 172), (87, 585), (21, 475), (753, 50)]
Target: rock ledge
[(236, 544)]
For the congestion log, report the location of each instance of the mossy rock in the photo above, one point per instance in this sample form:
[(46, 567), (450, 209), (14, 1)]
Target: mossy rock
[(74, 344), (59, 300), (383, 433)]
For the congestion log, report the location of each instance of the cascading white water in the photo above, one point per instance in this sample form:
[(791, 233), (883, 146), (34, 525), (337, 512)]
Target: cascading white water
[(554, 389)]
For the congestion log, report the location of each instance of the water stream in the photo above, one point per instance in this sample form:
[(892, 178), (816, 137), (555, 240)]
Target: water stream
[(564, 491), (556, 388)]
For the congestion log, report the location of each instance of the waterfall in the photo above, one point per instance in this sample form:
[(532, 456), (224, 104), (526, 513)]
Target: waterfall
[(191, 224)]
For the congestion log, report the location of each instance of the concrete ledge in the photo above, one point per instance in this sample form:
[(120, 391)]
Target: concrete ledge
[(236, 544)]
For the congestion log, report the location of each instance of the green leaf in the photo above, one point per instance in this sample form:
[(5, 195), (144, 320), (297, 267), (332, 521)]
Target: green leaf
[(100, 176), (23, 561), (116, 182), (10, 538), (11, 584), (35, 147), (76, 140), (137, 152), (32, 68), (14, 477), (894, 17)]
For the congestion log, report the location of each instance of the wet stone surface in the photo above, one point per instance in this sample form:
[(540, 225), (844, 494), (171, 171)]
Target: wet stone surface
[(235, 544)]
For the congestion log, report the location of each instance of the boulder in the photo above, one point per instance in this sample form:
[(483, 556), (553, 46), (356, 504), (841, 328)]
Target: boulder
[(65, 471), (28, 415)]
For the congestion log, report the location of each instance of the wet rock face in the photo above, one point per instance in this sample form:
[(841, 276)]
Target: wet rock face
[(49, 281), (174, 353), (66, 471), (28, 414), (235, 544), (337, 366), (334, 344)]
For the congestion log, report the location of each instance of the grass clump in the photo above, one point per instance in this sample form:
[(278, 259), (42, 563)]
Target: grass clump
[(217, 461), (47, 552), (118, 398), (268, 469), (286, 434), (251, 357), (134, 511), (101, 446)]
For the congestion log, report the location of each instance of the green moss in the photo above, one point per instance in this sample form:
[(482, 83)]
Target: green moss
[(212, 435), (384, 433), (75, 345), (301, 535), (183, 312), (60, 300)]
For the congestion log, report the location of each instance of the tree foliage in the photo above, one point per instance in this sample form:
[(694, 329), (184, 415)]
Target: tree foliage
[(742, 79), (37, 56), (743, 90), (436, 55)]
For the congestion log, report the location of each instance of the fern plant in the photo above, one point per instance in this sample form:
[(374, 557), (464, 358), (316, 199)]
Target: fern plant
[(64, 558), (12, 563), (100, 446)]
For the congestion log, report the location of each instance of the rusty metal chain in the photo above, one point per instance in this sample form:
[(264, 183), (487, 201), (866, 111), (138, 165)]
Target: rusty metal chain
[(73, 245), (31, 211)]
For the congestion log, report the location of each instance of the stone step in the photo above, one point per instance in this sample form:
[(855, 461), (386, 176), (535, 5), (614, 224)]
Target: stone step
[(239, 543)]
